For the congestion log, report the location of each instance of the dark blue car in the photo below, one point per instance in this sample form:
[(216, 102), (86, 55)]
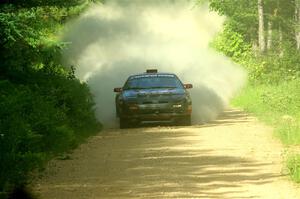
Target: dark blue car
[(153, 97)]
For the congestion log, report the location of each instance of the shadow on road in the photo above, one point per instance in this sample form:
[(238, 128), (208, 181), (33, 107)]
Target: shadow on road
[(160, 162), (176, 166), (230, 117)]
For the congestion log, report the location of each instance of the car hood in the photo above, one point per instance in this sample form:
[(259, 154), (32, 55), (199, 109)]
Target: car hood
[(146, 94)]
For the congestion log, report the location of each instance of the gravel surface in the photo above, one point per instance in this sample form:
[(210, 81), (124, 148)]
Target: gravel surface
[(233, 157)]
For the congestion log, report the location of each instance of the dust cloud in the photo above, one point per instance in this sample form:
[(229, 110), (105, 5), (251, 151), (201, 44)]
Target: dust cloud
[(113, 40)]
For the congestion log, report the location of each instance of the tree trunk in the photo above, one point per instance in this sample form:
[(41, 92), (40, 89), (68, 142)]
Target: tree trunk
[(297, 23), (270, 35), (261, 36), (280, 42)]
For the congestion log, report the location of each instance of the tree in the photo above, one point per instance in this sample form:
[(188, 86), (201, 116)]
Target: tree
[(261, 29), (271, 27), (297, 23), (44, 109)]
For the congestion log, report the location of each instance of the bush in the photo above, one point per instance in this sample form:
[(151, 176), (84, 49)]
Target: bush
[(293, 165), (276, 104), (44, 109), (37, 123)]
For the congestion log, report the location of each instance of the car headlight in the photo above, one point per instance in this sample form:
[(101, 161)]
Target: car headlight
[(177, 105), (133, 106)]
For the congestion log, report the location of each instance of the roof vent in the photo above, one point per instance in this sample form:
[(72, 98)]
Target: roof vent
[(151, 71)]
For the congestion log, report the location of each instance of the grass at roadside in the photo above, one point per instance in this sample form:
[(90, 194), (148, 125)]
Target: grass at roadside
[(293, 165), (279, 106)]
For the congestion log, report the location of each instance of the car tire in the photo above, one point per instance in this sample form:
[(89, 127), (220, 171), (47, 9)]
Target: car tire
[(123, 123), (186, 121)]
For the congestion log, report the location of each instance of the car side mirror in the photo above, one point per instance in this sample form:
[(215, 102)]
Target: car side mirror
[(118, 90), (188, 86)]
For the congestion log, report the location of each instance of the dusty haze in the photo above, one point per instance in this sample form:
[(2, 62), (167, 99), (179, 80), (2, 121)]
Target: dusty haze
[(111, 41)]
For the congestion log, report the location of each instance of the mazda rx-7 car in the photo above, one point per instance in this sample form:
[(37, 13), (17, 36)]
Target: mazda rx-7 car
[(153, 97)]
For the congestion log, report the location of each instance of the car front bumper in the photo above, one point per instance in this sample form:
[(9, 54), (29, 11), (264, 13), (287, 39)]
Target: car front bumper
[(156, 112)]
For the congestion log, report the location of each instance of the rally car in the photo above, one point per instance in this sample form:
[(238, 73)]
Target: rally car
[(153, 97)]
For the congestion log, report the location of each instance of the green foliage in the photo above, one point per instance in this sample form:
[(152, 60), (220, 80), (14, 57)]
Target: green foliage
[(238, 39), (269, 68), (273, 93), (241, 15), (232, 44), (43, 3), (43, 118), (293, 165), (28, 37), (44, 109), (278, 105)]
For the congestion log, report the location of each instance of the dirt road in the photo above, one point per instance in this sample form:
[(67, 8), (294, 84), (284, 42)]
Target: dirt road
[(233, 157)]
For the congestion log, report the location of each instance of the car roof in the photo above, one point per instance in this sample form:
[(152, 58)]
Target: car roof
[(151, 75)]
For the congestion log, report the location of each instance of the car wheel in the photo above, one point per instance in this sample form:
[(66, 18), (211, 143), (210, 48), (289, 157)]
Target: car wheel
[(124, 123), (186, 121)]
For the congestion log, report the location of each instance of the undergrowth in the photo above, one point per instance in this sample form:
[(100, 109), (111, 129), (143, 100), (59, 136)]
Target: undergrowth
[(279, 106)]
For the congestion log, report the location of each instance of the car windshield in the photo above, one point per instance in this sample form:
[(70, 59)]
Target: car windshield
[(152, 81)]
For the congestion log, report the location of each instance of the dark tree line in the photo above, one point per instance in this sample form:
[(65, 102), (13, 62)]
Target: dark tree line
[(44, 109)]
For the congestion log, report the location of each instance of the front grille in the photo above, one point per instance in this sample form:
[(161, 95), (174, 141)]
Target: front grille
[(157, 111), (147, 102), (163, 102), (154, 102)]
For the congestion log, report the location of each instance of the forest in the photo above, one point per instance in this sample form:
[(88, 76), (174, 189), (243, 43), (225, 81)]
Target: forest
[(45, 110), (263, 36)]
